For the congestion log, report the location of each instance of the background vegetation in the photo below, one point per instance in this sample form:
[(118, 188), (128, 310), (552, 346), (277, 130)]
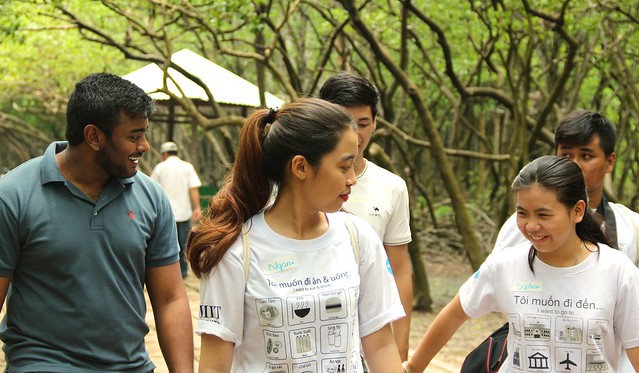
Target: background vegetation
[(470, 90)]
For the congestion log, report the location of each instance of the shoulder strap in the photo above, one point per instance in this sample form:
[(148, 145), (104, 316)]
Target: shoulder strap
[(352, 231), (246, 245), (246, 252)]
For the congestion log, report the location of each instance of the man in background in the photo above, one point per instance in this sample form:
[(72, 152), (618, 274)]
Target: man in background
[(380, 197), (82, 233), (181, 185)]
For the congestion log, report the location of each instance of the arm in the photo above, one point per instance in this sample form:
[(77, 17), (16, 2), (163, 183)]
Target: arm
[(216, 354), (172, 316), (4, 286), (381, 352), (633, 356), (194, 193), (402, 271), (438, 334)]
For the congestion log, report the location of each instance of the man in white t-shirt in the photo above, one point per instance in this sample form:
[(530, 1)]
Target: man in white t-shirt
[(380, 197), (181, 185), (588, 138)]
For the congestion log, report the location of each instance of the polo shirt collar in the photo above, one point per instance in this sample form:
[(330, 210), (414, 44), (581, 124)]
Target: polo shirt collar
[(50, 172)]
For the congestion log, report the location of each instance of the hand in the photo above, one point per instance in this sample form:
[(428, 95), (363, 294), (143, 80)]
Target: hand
[(197, 214)]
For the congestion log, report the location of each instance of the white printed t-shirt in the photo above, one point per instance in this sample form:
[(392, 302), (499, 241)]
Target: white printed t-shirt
[(306, 304), (561, 319), (381, 198)]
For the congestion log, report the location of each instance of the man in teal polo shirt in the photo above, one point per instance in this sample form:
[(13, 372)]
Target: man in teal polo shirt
[(81, 234)]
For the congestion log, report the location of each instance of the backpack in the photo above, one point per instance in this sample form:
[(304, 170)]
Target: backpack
[(489, 355)]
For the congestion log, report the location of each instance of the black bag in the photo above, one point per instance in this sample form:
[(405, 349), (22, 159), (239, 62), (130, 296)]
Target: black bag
[(489, 355)]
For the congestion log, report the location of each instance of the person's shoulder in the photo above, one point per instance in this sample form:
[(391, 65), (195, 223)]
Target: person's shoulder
[(21, 174), (623, 209), (382, 175), (145, 182), (624, 216), (363, 228), (615, 258)]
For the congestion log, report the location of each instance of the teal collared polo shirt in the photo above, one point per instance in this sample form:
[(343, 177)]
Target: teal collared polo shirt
[(76, 301)]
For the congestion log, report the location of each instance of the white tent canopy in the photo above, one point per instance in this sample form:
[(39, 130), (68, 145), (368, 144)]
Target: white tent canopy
[(225, 86)]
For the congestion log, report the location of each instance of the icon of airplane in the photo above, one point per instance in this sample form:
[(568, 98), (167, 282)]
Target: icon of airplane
[(568, 362)]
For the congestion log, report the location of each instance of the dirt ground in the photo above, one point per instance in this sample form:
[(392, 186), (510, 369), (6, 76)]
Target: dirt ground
[(446, 272)]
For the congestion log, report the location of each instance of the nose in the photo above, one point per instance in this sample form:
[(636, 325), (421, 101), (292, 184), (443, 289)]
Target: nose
[(532, 225), (351, 178), (143, 145)]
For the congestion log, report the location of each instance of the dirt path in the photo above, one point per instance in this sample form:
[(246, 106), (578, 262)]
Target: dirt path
[(445, 273)]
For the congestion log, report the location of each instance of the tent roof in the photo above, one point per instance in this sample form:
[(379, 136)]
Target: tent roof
[(226, 87)]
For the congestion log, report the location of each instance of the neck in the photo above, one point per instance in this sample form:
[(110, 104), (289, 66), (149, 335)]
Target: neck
[(79, 167), (594, 198), (291, 217), (572, 254), (360, 165)]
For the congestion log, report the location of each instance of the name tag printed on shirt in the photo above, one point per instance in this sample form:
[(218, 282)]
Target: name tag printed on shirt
[(281, 265), (528, 286)]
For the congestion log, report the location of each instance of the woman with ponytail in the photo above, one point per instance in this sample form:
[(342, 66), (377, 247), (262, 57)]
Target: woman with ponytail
[(295, 285), (570, 300)]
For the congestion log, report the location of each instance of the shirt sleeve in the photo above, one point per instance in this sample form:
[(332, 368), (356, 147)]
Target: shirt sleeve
[(222, 294), (379, 302), (398, 229), (194, 180), (478, 295), (509, 235), (163, 248), (9, 242), (626, 316)]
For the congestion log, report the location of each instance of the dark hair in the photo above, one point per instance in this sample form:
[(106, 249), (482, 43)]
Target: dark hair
[(100, 99), (578, 128), (347, 89), (565, 179), (307, 127)]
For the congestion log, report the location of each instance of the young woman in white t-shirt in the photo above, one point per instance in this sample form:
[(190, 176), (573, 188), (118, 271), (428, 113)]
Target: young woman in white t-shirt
[(294, 291), (570, 300)]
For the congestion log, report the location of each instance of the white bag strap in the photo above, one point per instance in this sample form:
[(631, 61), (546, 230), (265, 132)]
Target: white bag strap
[(246, 245), (352, 231), (246, 252)]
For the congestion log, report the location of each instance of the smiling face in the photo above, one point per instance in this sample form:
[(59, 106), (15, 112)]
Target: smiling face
[(593, 163), (329, 184), (547, 223), (120, 153)]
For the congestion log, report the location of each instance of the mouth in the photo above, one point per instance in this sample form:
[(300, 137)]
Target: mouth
[(135, 160), (536, 238), (344, 197)]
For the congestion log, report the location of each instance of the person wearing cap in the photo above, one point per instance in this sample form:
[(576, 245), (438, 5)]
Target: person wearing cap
[(180, 183)]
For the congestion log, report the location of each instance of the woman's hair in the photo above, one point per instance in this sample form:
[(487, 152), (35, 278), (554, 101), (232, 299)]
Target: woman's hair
[(268, 141), (565, 179)]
